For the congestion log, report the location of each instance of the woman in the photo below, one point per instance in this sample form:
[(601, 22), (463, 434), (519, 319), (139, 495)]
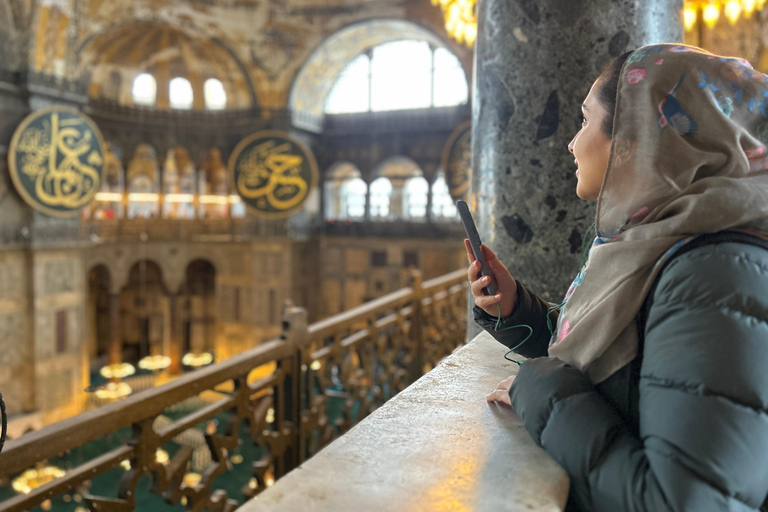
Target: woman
[(652, 391)]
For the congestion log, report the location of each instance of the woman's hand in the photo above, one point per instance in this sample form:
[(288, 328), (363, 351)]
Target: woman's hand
[(506, 287), (501, 393)]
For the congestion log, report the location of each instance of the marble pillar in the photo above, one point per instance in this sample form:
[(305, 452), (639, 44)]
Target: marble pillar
[(535, 61)]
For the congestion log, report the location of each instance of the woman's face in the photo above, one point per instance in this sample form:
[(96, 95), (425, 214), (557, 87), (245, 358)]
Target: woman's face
[(591, 147)]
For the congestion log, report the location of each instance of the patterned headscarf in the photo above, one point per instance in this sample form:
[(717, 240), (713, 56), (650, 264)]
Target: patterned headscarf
[(688, 157)]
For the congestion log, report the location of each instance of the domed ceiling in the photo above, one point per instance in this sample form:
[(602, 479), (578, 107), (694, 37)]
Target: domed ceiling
[(115, 57)]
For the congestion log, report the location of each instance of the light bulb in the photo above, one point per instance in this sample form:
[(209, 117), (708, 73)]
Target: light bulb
[(748, 7), (710, 14), (689, 16), (732, 10)]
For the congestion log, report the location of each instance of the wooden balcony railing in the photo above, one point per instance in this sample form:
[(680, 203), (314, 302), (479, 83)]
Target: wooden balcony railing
[(323, 378)]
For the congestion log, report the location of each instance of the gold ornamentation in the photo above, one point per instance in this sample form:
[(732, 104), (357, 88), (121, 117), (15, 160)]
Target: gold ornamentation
[(273, 173), (460, 19), (457, 161), (56, 160), (710, 11)]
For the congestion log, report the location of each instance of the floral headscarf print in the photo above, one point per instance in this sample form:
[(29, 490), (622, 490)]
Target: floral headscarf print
[(688, 157)]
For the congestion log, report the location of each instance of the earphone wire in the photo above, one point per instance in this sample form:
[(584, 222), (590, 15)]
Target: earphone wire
[(552, 309)]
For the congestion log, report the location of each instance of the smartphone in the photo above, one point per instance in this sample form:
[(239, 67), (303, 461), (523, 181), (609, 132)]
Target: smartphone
[(475, 243)]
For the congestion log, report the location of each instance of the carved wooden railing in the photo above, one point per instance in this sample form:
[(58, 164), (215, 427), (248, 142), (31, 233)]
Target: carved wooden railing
[(323, 379)]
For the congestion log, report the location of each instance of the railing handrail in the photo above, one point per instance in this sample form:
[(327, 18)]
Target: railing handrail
[(24, 452), (323, 327), (422, 302), (447, 280)]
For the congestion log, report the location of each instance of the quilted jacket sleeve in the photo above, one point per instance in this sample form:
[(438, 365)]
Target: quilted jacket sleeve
[(703, 397), (531, 310)]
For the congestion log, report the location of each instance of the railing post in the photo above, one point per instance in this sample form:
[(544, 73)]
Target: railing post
[(416, 331), (295, 332)]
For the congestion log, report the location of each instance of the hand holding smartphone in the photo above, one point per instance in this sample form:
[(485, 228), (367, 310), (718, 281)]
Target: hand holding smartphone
[(498, 295), (475, 243)]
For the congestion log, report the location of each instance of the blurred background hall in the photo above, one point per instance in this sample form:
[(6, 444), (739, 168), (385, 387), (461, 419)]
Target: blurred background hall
[(231, 223)]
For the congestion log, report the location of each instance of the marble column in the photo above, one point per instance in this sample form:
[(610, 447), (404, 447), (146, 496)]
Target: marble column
[(535, 61)]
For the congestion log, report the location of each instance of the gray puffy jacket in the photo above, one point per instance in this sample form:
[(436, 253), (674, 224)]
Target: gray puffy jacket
[(683, 427)]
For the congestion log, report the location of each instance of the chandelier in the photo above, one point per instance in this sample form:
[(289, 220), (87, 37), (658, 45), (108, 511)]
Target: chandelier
[(460, 19), (710, 11)]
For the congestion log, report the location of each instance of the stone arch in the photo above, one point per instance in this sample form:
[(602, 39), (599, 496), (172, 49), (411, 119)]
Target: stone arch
[(319, 72), (144, 311), (397, 167)]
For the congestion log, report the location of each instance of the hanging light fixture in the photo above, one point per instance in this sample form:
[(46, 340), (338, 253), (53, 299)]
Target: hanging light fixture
[(710, 11), (460, 19), (194, 360), (117, 371), (113, 391), (155, 363), (748, 7), (732, 10)]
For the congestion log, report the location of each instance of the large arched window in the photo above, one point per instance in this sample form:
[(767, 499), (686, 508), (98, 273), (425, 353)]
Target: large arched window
[(381, 190), (180, 93), (350, 93), (144, 90), (415, 196), (215, 95), (399, 75), (443, 206)]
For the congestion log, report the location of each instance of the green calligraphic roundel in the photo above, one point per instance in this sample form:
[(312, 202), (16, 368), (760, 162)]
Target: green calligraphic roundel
[(273, 173), (457, 161), (56, 160)]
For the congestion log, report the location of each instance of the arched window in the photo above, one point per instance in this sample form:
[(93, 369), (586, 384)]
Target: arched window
[(180, 93), (353, 198), (450, 84), (381, 190), (415, 196), (443, 206), (344, 192), (351, 93), (215, 95), (144, 90), (399, 75)]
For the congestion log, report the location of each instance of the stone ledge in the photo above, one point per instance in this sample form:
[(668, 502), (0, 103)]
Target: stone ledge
[(438, 445)]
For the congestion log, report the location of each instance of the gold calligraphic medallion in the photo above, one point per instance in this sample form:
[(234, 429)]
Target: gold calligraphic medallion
[(273, 173), (457, 161), (56, 160)]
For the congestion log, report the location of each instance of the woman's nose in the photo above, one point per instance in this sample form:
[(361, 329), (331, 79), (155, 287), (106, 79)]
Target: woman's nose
[(570, 145)]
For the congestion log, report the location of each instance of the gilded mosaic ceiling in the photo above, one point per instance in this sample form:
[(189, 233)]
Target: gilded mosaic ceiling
[(263, 44)]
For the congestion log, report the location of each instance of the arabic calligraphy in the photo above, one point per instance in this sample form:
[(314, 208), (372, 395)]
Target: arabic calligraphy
[(273, 173), (56, 161)]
